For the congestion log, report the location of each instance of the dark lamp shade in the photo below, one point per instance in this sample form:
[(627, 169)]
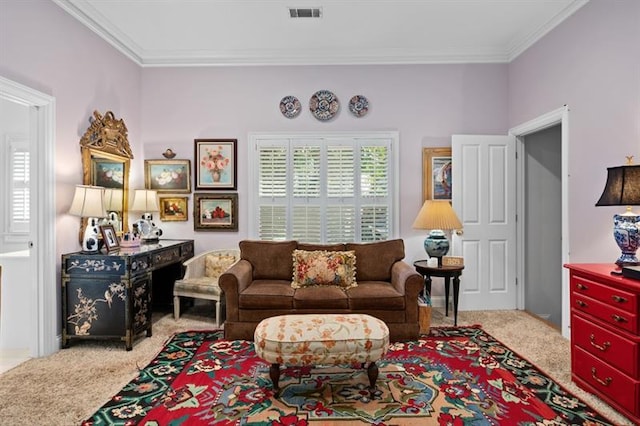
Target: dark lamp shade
[(622, 188)]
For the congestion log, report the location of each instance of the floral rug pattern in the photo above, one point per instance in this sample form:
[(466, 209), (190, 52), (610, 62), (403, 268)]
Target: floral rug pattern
[(454, 376)]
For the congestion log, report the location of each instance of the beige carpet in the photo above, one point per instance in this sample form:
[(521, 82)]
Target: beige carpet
[(70, 385)]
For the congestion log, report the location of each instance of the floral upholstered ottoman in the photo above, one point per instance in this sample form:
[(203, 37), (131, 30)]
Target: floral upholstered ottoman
[(321, 339)]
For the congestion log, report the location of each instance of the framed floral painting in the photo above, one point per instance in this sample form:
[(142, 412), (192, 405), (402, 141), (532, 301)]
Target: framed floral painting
[(215, 212), (168, 175), (216, 162), (173, 209)]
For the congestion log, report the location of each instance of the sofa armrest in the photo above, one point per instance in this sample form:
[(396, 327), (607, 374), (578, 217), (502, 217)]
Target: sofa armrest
[(407, 281), (233, 282)]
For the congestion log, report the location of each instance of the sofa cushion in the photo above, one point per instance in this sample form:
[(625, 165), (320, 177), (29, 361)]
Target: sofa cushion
[(376, 259), (270, 259), (324, 297), (375, 295), (328, 247), (324, 268), (216, 264), (267, 294)]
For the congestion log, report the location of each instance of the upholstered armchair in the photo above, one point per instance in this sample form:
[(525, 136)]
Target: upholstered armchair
[(200, 279)]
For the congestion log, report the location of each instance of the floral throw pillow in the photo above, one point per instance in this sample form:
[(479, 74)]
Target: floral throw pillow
[(317, 268), (216, 264)]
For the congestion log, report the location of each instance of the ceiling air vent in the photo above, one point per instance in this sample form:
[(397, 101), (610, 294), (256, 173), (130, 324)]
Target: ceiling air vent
[(309, 12)]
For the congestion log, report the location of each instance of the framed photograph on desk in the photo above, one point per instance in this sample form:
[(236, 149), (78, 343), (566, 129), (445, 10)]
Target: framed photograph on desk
[(109, 237)]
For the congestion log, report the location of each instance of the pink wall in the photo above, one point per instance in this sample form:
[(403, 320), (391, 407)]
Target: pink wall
[(591, 62), (44, 48), (426, 104)]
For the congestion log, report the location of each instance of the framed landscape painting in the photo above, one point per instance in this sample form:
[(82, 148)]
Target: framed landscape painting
[(168, 175), (215, 212), (436, 174), (216, 162)]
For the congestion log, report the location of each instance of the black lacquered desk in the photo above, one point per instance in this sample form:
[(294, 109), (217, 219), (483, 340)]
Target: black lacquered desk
[(109, 295), (446, 272)]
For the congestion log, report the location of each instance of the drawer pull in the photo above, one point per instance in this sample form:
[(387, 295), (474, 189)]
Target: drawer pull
[(602, 347), (604, 382), (581, 303), (618, 318), (582, 287), (619, 299)]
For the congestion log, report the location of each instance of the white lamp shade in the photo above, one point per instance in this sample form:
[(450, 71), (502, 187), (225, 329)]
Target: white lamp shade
[(88, 202), (145, 200), (113, 199)]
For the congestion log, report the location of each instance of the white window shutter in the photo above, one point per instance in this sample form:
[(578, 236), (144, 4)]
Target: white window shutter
[(324, 189)]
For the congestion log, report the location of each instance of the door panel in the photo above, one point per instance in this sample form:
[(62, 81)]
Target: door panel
[(484, 198)]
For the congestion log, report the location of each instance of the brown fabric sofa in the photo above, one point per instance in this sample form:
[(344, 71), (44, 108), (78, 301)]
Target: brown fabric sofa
[(259, 286)]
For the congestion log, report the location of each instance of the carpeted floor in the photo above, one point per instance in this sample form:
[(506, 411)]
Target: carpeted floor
[(70, 385)]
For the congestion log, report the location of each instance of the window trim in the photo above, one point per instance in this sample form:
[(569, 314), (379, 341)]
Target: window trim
[(394, 173)]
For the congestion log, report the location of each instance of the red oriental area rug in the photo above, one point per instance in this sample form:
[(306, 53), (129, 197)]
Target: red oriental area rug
[(454, 376)]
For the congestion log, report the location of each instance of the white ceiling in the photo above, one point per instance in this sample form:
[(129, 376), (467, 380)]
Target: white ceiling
[(261, 32)]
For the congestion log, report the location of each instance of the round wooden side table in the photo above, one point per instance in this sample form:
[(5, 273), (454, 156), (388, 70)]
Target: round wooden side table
[(447, 272)]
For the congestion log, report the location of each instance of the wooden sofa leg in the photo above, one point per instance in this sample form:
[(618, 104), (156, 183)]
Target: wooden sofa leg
[(176, 307)]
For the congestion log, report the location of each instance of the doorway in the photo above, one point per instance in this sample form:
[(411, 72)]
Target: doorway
[(543, 224), (558, 120), (38, 247)]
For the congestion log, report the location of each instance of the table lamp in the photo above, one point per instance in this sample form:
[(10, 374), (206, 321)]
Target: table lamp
[(623, 189), (88, 203), (113, 205), (146, 201), (437, 216)]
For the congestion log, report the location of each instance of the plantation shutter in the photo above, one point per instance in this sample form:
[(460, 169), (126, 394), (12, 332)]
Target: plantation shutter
[(323, 189), (374, 212), (272, 192), (19, 188)]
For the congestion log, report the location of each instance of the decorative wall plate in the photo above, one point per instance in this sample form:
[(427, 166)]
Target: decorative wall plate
[(290, 106), (359, 105), (324, 105)]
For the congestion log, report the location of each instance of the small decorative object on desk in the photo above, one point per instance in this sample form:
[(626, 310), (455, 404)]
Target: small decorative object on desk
[(130, 240), (432, 262)]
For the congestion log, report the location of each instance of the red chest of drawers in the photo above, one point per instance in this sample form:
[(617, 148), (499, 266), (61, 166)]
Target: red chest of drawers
[(605, 336)]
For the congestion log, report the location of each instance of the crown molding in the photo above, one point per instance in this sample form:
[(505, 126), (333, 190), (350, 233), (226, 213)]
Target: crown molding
[(99, 24), (96, 22), (518, 47)]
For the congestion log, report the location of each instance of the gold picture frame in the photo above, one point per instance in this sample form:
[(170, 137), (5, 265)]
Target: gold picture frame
[(174, 209), (436, 174), (168, 175)]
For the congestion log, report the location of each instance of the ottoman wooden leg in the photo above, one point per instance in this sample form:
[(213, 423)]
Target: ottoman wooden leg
[(372, 372), (274, 373)]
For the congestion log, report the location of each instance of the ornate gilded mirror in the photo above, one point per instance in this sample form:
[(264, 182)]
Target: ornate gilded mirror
[(106, 158)]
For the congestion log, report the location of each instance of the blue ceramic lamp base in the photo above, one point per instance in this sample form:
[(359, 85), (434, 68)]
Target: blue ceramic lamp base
[(627, 235), (436, 245)]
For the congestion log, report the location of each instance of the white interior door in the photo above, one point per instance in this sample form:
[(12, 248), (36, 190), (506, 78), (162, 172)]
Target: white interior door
[(484, 197)]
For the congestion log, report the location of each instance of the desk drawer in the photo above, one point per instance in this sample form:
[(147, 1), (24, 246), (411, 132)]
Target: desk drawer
[(607, 380), (166, 257), (612, 348), (611, 315), (619, 299)]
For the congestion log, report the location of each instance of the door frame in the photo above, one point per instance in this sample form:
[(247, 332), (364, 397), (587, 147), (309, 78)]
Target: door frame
[(552, 118), (43, 288)]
